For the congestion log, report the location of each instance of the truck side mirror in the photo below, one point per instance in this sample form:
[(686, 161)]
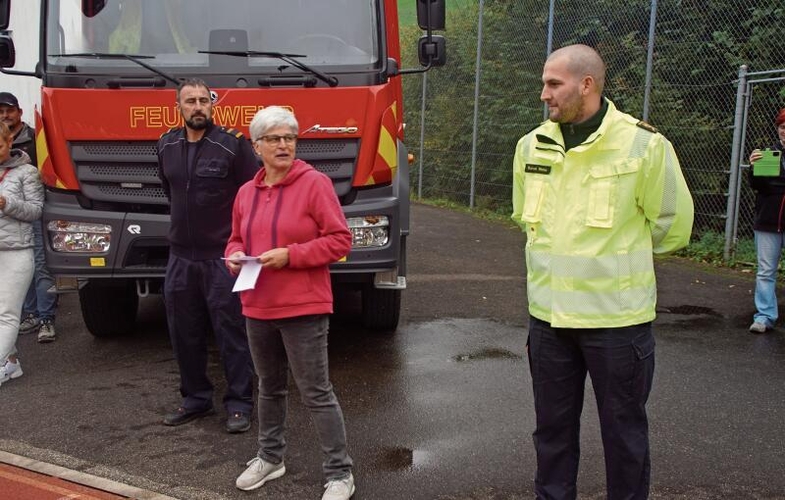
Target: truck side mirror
[(434, 21), (92, 7), (5, 14), (432, 51), (7, 52)]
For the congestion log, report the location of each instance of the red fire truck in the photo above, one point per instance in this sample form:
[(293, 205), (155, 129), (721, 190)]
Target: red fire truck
[(108, 72)]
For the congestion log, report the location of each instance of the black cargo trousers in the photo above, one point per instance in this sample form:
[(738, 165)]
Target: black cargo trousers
[(620, 362), (199, 299)]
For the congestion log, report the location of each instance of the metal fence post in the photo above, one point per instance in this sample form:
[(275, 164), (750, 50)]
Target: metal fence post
[(649, 58), (549, 47), (477, 68), (422, 133), (734, 174)]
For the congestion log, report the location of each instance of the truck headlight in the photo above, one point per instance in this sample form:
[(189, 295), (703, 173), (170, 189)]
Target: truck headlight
[(369, 231), (79, 237)]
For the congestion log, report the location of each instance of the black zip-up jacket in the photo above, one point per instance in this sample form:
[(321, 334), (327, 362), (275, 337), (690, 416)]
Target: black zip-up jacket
[(25, 140), (201, 195), (770, 199)]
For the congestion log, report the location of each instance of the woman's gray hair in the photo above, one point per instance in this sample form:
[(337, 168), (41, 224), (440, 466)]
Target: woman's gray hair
[(272, 117)]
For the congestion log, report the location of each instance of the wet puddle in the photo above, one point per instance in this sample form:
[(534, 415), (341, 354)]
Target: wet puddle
[(489, 353), (689, 310), (403, 458)]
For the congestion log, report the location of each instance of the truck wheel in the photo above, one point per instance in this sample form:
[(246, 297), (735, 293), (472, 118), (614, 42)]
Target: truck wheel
[(381, 308), (109, 307)]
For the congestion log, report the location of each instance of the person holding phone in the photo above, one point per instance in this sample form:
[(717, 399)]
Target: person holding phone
[(769, 235)]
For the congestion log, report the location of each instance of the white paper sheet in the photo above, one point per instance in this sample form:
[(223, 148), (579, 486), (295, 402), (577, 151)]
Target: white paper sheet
[(249, 273)]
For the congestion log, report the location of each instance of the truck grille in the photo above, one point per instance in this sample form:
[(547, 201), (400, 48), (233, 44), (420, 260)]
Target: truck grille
[(118, 172), (126, 172)]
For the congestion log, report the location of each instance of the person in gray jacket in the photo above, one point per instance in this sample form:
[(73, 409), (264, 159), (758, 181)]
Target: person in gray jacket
[(21, 202), (40, 306)]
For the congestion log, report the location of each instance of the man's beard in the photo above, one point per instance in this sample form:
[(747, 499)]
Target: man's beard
[(197, 125), (570, 111)]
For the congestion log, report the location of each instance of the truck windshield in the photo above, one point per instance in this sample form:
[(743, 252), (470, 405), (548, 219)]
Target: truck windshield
[(187, 36)]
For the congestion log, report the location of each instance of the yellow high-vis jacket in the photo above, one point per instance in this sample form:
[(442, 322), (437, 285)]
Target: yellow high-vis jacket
[(594, 216)]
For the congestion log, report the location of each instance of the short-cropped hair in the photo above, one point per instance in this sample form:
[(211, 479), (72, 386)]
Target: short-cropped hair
[(272, 117), (191, 82)]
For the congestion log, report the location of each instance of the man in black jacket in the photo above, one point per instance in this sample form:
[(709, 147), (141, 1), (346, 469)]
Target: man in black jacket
[(202, 166), (11, 115)]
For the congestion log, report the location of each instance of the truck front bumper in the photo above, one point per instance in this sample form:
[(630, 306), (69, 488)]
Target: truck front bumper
[(138, 242)]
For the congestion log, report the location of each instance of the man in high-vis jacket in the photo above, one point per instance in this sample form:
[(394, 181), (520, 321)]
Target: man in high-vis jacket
[(597, 193)]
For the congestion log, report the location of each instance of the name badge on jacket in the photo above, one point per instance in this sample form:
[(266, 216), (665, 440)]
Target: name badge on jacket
[(537, 169)]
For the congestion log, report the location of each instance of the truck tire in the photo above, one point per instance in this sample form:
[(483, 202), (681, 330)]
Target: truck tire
[(381, 308), (109, 307)]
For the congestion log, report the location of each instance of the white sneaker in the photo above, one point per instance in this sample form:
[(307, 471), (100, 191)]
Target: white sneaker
[(258, 473), (758, 327), (339, 489), (10, 371)]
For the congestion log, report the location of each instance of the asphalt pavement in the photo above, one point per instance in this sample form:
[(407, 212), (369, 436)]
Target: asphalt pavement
[(441, 409)]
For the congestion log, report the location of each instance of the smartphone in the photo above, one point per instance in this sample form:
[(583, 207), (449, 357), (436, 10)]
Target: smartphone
[(768, 165)]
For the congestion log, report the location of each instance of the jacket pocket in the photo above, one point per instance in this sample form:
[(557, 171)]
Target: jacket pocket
[(533, 198), (211, 181), (604, 184), (215, 168)]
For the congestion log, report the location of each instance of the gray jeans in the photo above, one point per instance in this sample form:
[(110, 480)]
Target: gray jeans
[(299, 343)]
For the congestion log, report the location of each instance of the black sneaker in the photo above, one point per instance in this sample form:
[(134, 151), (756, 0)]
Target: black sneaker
[(238, 422), (183, 415)]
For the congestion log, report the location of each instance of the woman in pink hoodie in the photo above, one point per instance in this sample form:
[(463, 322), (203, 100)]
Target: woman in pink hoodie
[(289, 218)]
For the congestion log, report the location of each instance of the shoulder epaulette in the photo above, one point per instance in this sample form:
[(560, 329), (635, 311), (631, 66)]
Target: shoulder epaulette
[(232, 131), (535, 127), (645, 126), (169, 131)]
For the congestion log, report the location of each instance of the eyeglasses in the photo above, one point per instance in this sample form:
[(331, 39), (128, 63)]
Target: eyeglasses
[(273, 140)]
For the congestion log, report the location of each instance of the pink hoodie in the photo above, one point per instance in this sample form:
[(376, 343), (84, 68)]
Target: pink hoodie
[(301, 213)]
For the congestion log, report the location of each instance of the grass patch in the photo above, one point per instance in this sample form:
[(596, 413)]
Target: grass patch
[(709, 247), (480, 213)]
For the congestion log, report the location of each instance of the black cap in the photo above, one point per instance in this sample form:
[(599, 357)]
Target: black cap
[(9, 99)]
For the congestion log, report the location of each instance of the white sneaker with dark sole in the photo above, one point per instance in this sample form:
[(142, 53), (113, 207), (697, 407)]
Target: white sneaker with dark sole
[(46, 333), (30, 324)]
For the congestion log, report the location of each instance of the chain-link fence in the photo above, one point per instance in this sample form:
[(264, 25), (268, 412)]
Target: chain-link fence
[(474, 110)]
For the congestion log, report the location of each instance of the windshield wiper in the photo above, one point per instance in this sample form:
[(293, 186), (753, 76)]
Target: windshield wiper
[(289, 58), (135, 58)]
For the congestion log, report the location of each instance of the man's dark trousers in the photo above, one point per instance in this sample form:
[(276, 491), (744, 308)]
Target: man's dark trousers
[(620, 362), (198, 294)]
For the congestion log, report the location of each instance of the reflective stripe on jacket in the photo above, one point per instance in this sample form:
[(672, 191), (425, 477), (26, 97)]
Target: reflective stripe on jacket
[(593, 217)]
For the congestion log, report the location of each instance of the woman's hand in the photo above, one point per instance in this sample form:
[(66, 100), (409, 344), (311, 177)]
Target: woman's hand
[(233, 263), (2, 202), (275, 258), (755, 155)]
